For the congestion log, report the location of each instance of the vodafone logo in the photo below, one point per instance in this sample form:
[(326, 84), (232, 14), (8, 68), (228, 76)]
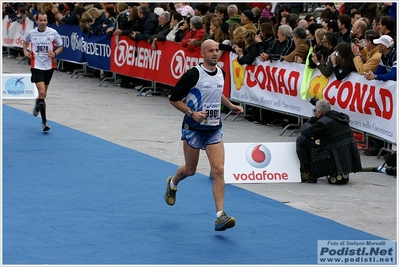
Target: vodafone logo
[(258, 155)]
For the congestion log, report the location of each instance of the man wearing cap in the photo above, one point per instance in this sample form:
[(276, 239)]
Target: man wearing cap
[(387, 68), (247, 18)]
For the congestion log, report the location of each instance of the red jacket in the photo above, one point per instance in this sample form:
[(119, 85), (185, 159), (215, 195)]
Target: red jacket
[(197, 35)]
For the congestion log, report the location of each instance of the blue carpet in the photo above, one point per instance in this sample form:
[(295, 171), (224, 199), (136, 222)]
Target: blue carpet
[(72, 198)]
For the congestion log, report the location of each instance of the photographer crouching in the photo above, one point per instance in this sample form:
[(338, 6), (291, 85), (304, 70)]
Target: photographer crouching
[(327, 147)]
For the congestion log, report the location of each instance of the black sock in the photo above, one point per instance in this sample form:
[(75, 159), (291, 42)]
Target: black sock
[(42, 105)]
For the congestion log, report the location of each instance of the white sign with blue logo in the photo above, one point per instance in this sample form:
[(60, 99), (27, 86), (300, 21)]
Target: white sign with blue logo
[(275, 162), (18, 86)]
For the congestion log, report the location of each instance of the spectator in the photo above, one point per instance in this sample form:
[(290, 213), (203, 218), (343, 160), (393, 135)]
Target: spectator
[(97, 20), (387, 68), (323, 62), (201, 9), (194, 38), (388, 27), (326, 14), (206, 22), (265, 39), (303, 24), (386, 71), (310, 19), (256, 11), (184, 9), (176, 33), (301, 46), (227, 44), (329, 132), (330, 26), (292, 20), (335, 13), (234, 17), (260, 21), (283, 46), (221, 12), (248, 53), (311, 30), (319, 49), (215, 31), (162, 30), (351, 7), (376, 24), (358, 30), (342, 60), (367, 58), (368, 10), (282, 10), (355, 15), (149, 23), (267, 11), (247, 18), (122, 23), (344, 25), (21, 15)]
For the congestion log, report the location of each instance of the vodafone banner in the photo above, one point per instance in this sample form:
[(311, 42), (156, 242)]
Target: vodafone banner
[(276, 85), (275, 162), (164, 65), (13, 32)]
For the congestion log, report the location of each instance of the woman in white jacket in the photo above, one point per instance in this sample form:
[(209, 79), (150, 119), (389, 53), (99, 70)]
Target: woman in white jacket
[(177, 33)]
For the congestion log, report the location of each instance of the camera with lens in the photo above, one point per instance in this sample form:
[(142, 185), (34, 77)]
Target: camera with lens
[(318, 55), (314, 100)]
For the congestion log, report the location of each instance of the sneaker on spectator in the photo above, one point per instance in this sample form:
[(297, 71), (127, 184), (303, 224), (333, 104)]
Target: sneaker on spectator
[(224, 222)]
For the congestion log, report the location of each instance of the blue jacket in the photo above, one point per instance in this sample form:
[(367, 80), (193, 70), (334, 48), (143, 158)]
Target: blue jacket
[(387, 69)]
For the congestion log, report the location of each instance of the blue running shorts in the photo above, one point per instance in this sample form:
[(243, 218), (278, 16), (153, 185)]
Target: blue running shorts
[(200, 139)]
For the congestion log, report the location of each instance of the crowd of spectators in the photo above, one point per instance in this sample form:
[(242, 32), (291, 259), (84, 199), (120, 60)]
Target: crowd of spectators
[(358, 37)]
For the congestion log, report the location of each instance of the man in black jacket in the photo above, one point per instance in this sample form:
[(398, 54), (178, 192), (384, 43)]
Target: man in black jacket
[(326, 145)]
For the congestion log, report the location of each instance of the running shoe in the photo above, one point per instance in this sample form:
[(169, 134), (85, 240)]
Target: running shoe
[(170, 195), (224, 222), (36, 109), (45, 127)]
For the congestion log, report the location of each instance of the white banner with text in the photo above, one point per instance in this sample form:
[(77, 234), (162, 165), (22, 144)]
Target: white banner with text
[(274, 162), (277, 86)]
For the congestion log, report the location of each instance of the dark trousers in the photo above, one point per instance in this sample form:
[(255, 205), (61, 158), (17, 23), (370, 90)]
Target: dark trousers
[(303, 151)]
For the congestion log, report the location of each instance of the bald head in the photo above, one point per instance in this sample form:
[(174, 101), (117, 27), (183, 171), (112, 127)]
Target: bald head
[(208, 43)]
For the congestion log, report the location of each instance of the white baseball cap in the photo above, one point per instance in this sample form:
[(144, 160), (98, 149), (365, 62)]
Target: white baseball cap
[(385, 40)]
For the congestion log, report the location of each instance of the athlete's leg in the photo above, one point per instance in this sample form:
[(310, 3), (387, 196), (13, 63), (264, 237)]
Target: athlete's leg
[(191, 156), (215, 154)]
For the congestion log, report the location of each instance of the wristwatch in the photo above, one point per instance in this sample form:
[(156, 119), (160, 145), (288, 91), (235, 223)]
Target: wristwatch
[(189, 112)]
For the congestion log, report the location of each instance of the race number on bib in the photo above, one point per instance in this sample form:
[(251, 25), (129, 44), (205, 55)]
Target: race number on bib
[(212, 114)]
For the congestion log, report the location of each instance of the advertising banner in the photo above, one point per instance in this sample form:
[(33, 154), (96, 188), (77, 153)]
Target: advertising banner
[(79, 47), (276, 85), (13, 32), (274, 162), (165, 65), (18, 86)]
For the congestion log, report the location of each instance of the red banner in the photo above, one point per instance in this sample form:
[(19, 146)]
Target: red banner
[(164, 65)]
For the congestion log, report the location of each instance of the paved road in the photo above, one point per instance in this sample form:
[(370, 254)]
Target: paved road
[(151, 125)]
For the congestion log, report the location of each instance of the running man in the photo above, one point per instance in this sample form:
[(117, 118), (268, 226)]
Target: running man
[(202, 89), (41, 42)]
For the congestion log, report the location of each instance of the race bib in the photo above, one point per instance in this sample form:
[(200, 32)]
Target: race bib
[(212, 114)]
